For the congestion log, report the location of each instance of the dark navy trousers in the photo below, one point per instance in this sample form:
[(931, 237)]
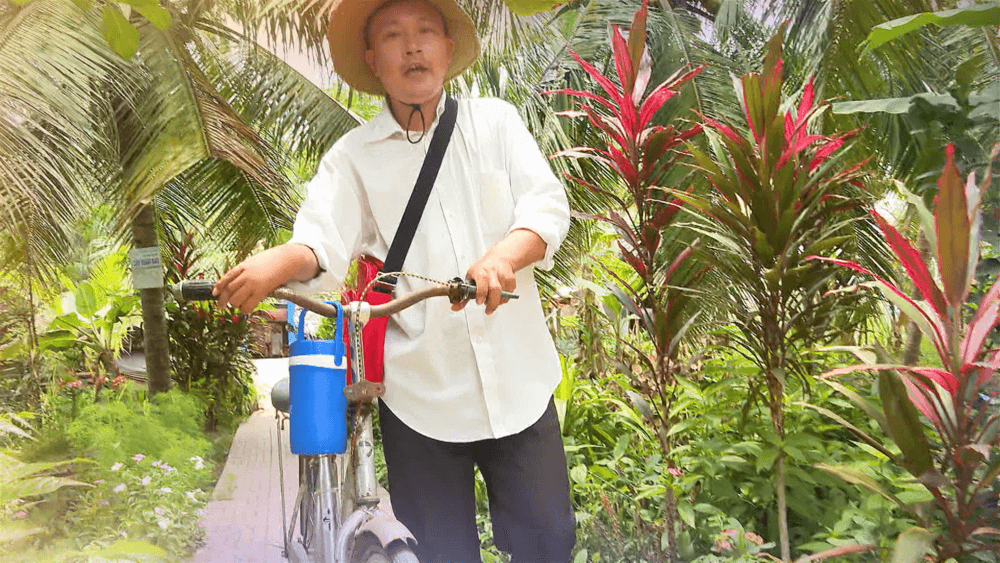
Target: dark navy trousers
[(432, 488)]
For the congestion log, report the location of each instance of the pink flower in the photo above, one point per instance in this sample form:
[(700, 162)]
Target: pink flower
[(754, 538), (103, 502), (156, 463), (674, 471), (99, 481), (722, 545), (138, 457), (21, 514), (731, 533)]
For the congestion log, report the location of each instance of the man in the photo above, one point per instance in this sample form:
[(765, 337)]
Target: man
[(464, 387)]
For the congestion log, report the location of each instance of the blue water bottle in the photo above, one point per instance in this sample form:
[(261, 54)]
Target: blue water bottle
[(317, 405)]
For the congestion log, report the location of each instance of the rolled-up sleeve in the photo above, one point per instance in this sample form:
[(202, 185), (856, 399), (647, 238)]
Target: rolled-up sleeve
[(540, 203), (330, 222)]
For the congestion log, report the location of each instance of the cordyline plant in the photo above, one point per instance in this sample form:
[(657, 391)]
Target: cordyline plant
[(959, 465), (778, 194), (639, 154)]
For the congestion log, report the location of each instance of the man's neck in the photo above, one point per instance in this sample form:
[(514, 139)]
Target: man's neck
[(409, 119)]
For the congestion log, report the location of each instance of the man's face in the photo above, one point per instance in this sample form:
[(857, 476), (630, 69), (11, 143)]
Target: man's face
[(409, 50)]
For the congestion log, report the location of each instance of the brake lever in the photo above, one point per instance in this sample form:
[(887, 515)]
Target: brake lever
[(465, 290)]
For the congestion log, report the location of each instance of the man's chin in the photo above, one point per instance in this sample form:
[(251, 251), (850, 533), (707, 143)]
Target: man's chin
[(416, 93)]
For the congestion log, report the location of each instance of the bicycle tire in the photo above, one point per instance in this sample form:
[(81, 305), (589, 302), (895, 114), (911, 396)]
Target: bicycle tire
[(307, 524), (399, 552), (297, 553), (368, 549)]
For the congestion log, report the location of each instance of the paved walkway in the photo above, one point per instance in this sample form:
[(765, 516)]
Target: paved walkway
[(243, 522)]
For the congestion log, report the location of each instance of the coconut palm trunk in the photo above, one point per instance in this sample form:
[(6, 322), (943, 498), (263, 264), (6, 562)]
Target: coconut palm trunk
[(154, 318)]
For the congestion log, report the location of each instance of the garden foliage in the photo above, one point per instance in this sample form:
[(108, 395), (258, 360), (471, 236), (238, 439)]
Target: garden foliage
[(778, 193), (210, 354), (960, 464), (639, 153)]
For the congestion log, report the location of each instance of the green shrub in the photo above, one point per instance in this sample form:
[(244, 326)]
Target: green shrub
[(169, 428)]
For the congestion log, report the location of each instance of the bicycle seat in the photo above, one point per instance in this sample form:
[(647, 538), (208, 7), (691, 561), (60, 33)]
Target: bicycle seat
[(279, 395)]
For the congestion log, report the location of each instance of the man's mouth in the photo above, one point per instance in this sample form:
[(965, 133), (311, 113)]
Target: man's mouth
[(415, 69)]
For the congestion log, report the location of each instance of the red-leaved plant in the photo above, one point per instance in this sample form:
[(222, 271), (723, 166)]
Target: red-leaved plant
[(639, 154), (779, 193), (961, 465)]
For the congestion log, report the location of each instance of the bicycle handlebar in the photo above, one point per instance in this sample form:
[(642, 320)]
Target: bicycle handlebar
[(457, 290)]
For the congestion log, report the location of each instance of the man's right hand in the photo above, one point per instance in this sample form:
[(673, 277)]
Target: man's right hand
[(248, 283)]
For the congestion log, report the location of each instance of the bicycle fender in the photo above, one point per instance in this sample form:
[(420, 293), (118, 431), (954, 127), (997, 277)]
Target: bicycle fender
[(387, 529)]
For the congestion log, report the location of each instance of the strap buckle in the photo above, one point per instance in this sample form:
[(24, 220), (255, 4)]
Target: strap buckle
[(385, 285)]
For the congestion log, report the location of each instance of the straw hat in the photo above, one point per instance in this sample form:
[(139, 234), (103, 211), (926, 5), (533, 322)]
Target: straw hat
[(346, 36)]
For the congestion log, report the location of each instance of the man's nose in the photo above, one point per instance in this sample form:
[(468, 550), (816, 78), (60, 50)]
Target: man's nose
[(413, 45)]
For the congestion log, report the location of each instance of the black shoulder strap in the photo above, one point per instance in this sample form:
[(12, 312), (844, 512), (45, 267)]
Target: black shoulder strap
[(422, 190)]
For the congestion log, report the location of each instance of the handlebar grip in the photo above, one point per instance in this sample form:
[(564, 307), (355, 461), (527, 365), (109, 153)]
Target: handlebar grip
[(467, 289), (195, 290)]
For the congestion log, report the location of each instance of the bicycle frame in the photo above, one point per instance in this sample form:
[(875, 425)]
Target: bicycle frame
[(337, 514)]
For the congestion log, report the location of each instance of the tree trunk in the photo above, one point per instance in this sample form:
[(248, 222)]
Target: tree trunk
[(776, 392), (154, 316)]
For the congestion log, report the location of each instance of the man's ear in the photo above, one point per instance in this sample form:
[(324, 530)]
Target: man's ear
[(370, 61), (451, 49)]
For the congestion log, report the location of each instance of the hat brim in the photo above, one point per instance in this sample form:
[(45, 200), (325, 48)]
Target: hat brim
[(346, 36)]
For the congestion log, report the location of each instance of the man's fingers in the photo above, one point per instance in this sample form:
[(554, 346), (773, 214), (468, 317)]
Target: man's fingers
[(493, 299), (482, 289), (227, 292), (232, 274)]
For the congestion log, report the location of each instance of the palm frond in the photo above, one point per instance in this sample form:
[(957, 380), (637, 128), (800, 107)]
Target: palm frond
[(290, 112), (48, 142)]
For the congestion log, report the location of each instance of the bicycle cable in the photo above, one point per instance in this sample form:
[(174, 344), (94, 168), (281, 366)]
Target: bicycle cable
[(382, 275)]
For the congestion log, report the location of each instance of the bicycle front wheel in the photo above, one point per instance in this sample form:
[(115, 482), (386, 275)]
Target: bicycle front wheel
[(368, 549)]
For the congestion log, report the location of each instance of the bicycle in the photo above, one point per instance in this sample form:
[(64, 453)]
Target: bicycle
[(336, 518)]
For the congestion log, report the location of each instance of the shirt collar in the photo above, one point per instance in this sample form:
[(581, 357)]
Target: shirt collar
[(384, 125)]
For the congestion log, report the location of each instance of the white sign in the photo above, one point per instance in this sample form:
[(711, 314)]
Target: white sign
[(147, 270)]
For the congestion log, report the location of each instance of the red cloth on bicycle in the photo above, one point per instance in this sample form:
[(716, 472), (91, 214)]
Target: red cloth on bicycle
[(373, 334)]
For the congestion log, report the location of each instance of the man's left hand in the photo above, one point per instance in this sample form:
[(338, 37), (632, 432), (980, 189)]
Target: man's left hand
[(492, 274)]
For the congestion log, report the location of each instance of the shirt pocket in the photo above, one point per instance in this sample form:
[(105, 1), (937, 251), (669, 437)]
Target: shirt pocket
[(497, 204)]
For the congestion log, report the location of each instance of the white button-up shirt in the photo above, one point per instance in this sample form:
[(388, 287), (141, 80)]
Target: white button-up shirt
[(455, 377)]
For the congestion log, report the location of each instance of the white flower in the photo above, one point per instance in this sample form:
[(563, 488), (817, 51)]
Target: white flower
[(199, 491), (201, 512), (167, 468), (119, 488), (116, 467), (165, 490), (146, 481), (163, 523), (156, 463), (138, 457), (198, 462), (99, 481), (159, 511), (190, 495)]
